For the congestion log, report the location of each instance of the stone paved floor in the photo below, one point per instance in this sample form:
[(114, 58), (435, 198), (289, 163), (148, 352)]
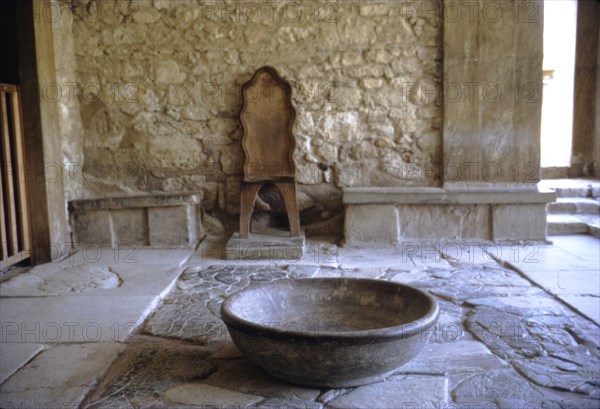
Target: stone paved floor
[(128, 329)]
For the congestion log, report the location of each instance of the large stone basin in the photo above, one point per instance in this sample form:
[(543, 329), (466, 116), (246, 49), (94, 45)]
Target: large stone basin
[(330, 332)]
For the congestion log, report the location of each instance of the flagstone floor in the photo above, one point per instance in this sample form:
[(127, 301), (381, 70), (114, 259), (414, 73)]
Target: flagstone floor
[(131, 328)]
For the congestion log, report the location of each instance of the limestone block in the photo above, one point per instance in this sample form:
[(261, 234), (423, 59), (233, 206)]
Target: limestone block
[(397, 392), (173, 151), (446, 214), (74, 318), (438, 222), (194, 394), (167, 220), (168, 72), (371, 224), (243, 376), (374, 10), (14, 355), (59, 376), (490, 119), (172, 226), (265, 246), (130, 226), (519, 222), (93, 228)]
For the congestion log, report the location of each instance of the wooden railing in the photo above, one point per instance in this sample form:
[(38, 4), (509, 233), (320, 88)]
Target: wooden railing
[(15, 237)]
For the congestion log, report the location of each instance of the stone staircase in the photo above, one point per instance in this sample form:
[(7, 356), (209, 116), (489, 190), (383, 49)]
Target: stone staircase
[(577, 207)]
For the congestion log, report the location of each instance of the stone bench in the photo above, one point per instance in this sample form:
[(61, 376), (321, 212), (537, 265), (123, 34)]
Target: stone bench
[(391, 215), (160, 221)]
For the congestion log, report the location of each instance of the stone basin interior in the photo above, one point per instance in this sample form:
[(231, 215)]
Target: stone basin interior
[(356, 305)]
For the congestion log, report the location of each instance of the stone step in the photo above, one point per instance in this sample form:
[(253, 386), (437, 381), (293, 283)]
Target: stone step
[(574, 205), (595, 230), (564, 224), (573, 187)]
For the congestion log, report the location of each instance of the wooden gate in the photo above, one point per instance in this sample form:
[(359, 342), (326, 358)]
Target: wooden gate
[(14, 212)]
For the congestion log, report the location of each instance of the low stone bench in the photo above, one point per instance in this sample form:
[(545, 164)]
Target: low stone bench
[(161, 221), (389, 216)]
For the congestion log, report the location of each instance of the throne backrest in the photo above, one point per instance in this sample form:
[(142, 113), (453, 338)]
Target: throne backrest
[(267, 117)]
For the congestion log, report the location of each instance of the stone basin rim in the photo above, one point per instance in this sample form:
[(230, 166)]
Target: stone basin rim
[(419, 325)]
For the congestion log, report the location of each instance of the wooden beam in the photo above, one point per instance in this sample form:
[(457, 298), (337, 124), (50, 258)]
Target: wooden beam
[(7, 163), (25, 234)]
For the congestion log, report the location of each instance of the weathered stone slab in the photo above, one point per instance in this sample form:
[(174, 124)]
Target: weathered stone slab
[(168, 221), (129, 202), (467, 253), (519, 222), (465, 292), (407, 277), (75, 318), (287, 404), (351, 273), (475, 281), (101, 271), (329, 273), (546, 258), (332, 394), (146, 371), (355, 257), (127, 255), (503, 333), (14, 355), (436, 222), (203, 395), (130, 226), (449, 357), (61, 376), (575, 403), (551, 372), (191, 310), (397, 392), (481, 276), (579, 246), (433, 213), (173, 226), (371, 225), (435, 195), (243, 376), (302, 271), (60, 279), (317, 253), (495, 384), (93, 228), (472, 141), (262, 246), (576, 287), (544, 348), (523, 306), (449, 322), (188, 318), (587, 305), (382, 257)]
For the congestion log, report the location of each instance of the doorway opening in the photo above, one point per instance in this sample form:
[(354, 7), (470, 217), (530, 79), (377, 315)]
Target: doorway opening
[(560, 32)]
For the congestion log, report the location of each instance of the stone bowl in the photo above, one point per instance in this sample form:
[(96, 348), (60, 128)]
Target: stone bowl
[(330, 332)]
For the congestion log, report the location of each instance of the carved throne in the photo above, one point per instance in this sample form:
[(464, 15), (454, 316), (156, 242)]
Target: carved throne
[(267, 117)]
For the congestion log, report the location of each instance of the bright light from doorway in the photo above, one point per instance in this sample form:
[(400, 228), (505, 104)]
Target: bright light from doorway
[(560, 23)]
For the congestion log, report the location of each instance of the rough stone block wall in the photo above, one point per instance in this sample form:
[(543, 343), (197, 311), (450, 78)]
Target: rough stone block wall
[(159, 90)]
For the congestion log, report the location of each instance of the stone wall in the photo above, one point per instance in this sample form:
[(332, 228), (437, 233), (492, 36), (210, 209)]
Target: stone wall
[(159, 90), (62, 92)]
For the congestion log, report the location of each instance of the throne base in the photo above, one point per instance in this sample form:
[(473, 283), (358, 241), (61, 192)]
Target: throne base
[(271, 245)]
